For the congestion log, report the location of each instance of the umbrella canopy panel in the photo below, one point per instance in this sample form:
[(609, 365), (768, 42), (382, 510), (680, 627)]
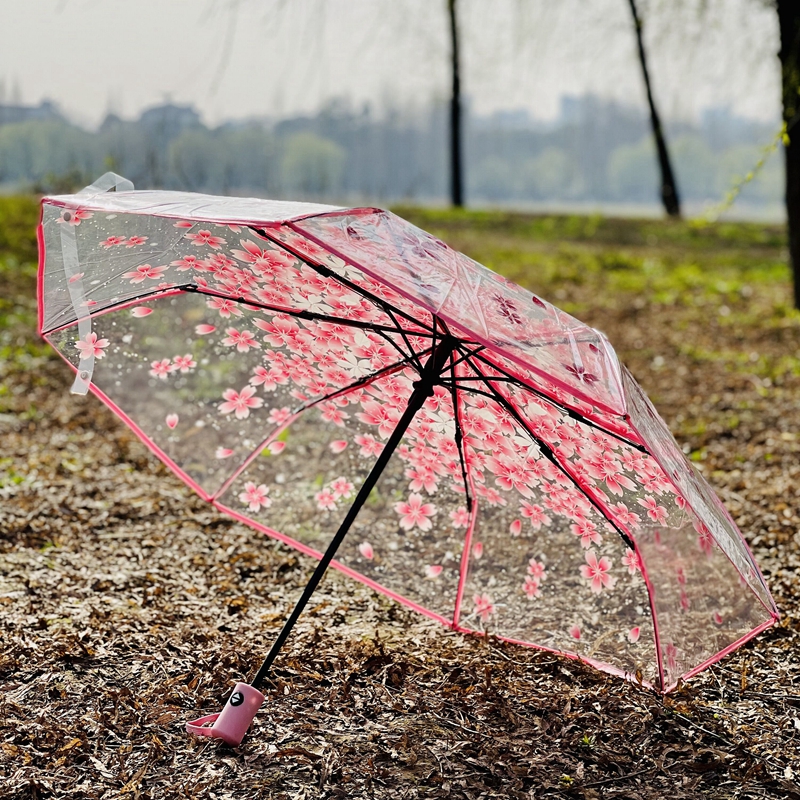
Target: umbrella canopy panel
[(537, 495)]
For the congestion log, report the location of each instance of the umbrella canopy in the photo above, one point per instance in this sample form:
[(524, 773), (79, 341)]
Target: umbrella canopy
[(272, 354)]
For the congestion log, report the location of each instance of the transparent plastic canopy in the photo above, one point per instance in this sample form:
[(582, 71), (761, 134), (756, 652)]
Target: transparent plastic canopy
[(264, 351)]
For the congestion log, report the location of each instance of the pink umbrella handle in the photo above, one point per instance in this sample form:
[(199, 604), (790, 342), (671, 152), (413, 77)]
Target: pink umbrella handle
[(232, 722)]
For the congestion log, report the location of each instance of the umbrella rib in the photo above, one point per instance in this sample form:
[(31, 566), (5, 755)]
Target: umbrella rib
[(405, 338), (329, 273), (302, 313), (568, 411), (459, 436), (551, 456)]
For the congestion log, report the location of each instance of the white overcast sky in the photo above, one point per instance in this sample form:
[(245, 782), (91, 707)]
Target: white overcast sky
[(276, 57)]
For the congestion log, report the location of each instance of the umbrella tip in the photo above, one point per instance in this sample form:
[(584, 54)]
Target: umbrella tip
[(230, 724)]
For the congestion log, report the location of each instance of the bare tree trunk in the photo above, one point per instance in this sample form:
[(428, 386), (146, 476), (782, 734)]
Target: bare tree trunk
[(456, 183), (789, 54), (669, 189)]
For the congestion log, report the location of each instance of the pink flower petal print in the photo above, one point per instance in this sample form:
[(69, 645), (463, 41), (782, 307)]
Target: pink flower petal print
[(255, 497), (240, 403), (226, 307), (365, 548), (112, 241), (203, 330), (325, 500), (515, 528), (135, 241), (276, 447), (223, 452), (460, 517), (633, 635), (596, 572), (341, 488), (144, 272), (477, 550), (631, 561), (182, 223), (531, 587), (415, 513), (536, 569), (184, 363), (242, 340), (172, 421), (484, 607), (161, 369), (90, 346), (656, 512), (433, 571), (141, 311), (338, 446), (575, 632), (277, 416), (205, 238)]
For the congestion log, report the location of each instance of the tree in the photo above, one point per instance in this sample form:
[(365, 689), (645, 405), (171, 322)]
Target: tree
[(456, 167), (789, 55), (669, 188)]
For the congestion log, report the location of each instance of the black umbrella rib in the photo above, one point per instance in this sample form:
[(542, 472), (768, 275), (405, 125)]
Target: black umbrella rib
[(404, 337), (301, 313), (364, 380), (459, 435), (509, 378), (327, 272), (548, 453)]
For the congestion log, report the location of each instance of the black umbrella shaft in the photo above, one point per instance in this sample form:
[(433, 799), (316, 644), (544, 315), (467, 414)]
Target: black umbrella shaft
[(423, 389)]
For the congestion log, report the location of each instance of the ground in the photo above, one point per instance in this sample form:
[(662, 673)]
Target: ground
[(128, 606)]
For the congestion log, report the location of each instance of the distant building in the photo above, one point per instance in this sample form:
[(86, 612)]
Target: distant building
[(45, 111)]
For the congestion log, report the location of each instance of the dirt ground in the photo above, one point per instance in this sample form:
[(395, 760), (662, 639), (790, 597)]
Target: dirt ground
[(128, 606)]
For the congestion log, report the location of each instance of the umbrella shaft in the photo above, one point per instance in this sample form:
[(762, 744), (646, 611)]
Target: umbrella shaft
[(423, 389)]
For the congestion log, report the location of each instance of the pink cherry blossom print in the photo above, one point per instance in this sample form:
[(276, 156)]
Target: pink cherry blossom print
[(141, 311), (226, 308), (365, 548), (144, 272), (369, 445), (240, 403), (223, 452), (338, 446), (182, 223), (718, 618), (172, 421), (184, 363), (205, 238), (242, 340), (535, 513), (185, 263), (588, 533), (477, 550), (75, 217), (634, 634), (255, 497), (135, 241), (341, 488), (276, 448), (325, 500), (204, 329), (112, 241), (632, 562), (433, 571), (484, 607), (531, 587), (656, 512), (76, 277), (536, 569), (90, 346), (575, 632), (415, 512), (515, 528), (460, 517), (279, 416), (596, 572), (161, 369)]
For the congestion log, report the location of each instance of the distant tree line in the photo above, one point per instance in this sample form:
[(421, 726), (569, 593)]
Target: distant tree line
[(597, 151)]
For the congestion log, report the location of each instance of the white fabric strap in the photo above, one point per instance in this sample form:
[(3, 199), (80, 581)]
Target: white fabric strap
[(69, 251)]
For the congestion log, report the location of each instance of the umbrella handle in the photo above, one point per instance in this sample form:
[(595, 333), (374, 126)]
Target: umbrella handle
[(232, 722)]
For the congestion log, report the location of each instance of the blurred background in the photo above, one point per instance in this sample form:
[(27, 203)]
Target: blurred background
[(352, 100)]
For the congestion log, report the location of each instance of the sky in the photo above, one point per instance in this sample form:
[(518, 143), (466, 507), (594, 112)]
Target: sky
[(234, 59)]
